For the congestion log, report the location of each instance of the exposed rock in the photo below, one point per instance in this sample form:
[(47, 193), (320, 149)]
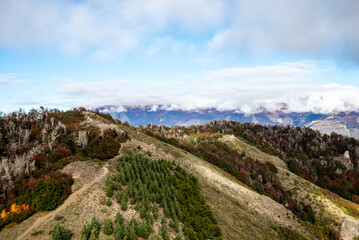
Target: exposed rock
[(82, 139), (349, 228), (346, 155), (345, 160), (329, 125)]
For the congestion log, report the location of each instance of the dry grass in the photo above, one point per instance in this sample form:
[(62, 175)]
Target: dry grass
[(241, 213), (348, 207)]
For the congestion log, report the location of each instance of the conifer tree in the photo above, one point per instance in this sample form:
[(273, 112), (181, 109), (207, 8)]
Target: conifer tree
[(166, 211), (136, 197), (122, 177), (180, 215), (94, 234), (172, 211), (155, 211), (143, 231), (134, 223), (163, 221), (60, 233), (149, 220), (118, 196), (107, 227), (171, 224), (178, 237), (123, 204), (137, 206), (109, 188), (132, 233), (85, 233), (176, 225), (127, 173), (90, 229), (125, 196), (118, 231), (164, 232), (143, 211), (119, 218)]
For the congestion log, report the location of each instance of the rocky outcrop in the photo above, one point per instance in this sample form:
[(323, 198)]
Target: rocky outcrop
[(329, 125), (82, 139), (345, 162), (349, 228)]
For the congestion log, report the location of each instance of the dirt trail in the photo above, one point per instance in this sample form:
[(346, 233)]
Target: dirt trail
[(103, 124), (71, 199)]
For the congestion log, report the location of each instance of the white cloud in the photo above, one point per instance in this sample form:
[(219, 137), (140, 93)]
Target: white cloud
[(108, 109), (318, 28), (283, 83), (282, 71), (10, 79), (108, 28), (103, 28)]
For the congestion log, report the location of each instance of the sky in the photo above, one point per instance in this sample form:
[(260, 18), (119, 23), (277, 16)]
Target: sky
[(187, 54)]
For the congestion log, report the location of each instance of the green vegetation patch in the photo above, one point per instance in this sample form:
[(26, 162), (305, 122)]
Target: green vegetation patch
[(151, 186)]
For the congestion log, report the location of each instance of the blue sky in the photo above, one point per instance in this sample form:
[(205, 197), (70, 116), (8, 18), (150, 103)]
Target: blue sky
[(203, 53)]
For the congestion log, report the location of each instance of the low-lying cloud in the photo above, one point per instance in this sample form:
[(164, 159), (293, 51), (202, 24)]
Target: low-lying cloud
[(229, 89)]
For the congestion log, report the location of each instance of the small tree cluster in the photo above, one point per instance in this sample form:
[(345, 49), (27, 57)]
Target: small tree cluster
[(91, 231), (60, 233)]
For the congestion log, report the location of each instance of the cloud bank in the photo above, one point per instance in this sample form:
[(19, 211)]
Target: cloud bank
[(102, 28), (109, 28), (247, 89), (316, 28)]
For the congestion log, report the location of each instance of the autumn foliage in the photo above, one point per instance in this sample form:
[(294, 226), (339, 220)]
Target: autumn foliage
[(35, 146), (14, 209)]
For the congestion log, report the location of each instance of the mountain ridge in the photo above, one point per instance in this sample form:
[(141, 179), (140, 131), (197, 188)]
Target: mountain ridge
[(345, 123)]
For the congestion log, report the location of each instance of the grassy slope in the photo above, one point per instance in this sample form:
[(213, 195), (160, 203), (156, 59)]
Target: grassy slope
[(241, 212), (329, 207)]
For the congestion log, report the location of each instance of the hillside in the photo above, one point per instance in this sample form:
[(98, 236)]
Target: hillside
[(268, 174), (328, 208), (89, 198), (253, 197)]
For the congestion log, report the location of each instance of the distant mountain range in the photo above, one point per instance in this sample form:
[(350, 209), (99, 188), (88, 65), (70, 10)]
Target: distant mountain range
[(345, 123)]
